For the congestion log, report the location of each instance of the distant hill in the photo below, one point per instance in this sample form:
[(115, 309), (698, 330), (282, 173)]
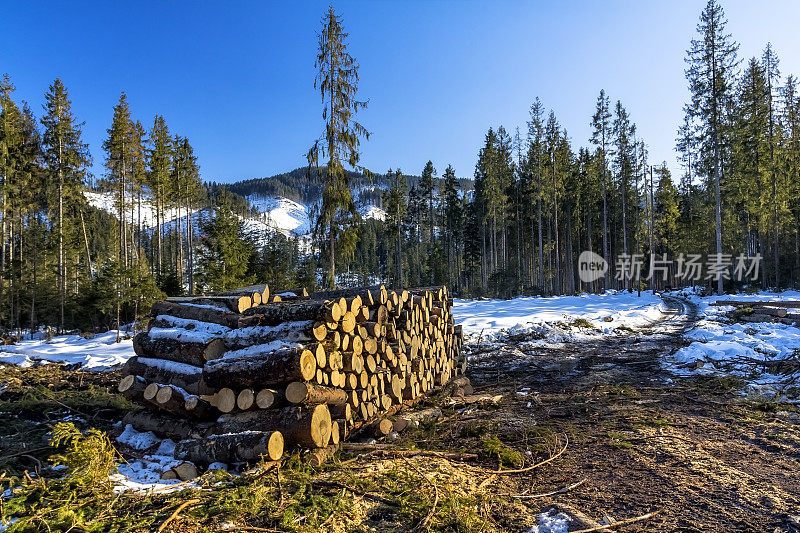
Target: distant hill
[(299, 186)]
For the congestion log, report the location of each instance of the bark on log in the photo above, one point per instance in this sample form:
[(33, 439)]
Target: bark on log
[(277, 313), (174, 400), (219, 316), (306, 393), (191, 353), (300, 331), (232, 448), (166, 426), (270, 368), (132, 387), (320, 456), (303, 426), (263, 290), (237, 304), (188, 377)]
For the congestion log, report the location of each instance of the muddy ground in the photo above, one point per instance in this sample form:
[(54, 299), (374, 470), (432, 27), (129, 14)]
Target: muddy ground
[(633, 440), (692, 449)]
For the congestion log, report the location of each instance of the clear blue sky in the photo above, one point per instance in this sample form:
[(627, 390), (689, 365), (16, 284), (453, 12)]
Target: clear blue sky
[(236, 77)]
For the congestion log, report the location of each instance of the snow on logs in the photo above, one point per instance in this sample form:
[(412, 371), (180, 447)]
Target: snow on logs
[(239, 375)]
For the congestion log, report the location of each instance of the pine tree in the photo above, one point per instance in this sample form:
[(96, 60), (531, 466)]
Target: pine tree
[(426, 188), (601, 134), (66, 157), (337, 81), (224, 249), (158, 176), (394, 201), (535, 155), (769, 62), (452, 215), (711, 63)]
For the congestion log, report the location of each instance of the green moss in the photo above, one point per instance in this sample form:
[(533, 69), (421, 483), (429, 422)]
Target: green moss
[(582, 323), (507, 456)]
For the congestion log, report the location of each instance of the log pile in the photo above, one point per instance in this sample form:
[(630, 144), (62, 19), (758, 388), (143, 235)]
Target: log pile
[(243, 374)]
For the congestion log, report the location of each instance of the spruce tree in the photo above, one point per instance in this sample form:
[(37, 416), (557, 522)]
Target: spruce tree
[(711, 60), (601, 135), (337, 81), (66, 158), (394, 201)]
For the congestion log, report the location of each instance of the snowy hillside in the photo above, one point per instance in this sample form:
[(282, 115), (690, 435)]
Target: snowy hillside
[(107, 202)]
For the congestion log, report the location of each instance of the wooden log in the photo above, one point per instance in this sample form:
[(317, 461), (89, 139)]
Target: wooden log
[(246, 399), (225, 400), (235, 303), (369, 295), (132, 387), (232, 447), (335, 433), (348, 322), (298, 292), (174, 400), (352, 362), (191, 353), (344, 412), (299, 331), (164, 425), (306, 393), (381, 428), (269, 368), (277, 313), (201, 313), (320, 456), (267, 398), (788, 304), (379, 314), (197, 407), (262, 289), (772, 311), (188, 377), (304, 426), (186, 471)]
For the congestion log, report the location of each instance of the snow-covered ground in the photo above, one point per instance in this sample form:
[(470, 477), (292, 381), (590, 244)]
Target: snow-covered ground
[(144, 474), (553, 319), (721, 347), (98, 353)]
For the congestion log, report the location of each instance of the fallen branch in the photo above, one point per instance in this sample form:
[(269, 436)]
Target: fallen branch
[(537, 465), (174, 515), (424, 523), (386, 451), (363, 494), (547, 494), (621, 523)]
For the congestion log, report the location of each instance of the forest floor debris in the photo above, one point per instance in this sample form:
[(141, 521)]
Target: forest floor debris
[(692, 447)]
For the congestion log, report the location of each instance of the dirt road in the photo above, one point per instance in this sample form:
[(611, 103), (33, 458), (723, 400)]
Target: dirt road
[(694, 450)]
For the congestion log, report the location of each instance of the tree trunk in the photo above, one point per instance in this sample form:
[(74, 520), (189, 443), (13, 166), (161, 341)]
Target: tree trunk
[(232, 448), (191, 353), (304, 426), (262, 369)]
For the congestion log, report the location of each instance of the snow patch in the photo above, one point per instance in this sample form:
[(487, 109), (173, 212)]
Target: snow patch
[(99, 352)]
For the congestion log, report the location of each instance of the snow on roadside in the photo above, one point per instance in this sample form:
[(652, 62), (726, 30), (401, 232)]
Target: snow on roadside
[(100, 352), (551, 319), (751, 351)]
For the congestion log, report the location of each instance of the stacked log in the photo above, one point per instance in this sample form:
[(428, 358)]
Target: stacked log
[(242, 374)]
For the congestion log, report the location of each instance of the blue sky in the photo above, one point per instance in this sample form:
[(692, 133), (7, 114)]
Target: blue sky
[(237, 77)]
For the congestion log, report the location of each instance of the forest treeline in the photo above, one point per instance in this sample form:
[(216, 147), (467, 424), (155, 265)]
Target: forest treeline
[(68, 264), (538, 201)]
